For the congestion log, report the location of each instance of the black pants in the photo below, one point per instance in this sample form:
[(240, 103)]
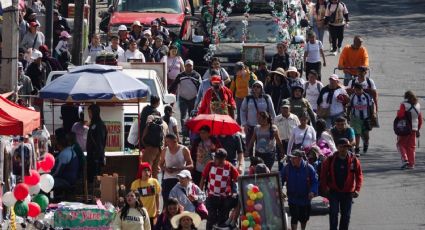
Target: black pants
[(337, 35), (218, 210), (167, 185), (316, 66)]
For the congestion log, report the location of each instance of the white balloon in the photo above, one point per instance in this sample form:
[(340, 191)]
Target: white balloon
[(9, 199), (46, 182), (35, 189), (28, 199)]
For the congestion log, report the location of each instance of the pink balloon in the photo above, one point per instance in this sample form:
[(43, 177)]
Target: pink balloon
[(258, 207)]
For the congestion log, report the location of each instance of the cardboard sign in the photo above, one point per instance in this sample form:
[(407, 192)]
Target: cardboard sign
[(84, 219)]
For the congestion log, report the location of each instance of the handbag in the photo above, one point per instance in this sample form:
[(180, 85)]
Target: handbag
[(200, 207), (300, 145)]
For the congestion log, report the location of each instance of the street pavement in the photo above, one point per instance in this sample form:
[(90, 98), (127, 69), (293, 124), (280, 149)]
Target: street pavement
[(393, 31)]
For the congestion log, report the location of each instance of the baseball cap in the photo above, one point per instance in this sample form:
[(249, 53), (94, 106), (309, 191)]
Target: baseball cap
[(136, 23), (36, 54), (33, 24), (20, 65), (184, 174), (343, 141), (122, 27), (147, 32), (239, 65), (285, 104), (334, 77), (188, 62), (297, 153), (65, 34), (215, 79)]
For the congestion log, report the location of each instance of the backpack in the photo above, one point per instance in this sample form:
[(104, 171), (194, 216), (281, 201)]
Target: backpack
[(369, 83), (265, 96), (155, 134), (403, 126)]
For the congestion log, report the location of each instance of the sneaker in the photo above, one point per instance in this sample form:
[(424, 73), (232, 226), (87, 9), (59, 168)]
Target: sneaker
[(405, 165), (365, 148), (339, 50), (333, 53)]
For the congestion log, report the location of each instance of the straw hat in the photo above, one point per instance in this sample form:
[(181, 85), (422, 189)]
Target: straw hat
[(279, 71), (293, 69), (196, 219)]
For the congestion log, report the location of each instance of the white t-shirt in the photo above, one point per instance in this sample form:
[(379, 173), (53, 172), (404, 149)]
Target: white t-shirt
[(134, 55), (364, 84), (336, 106), (298, 136), (313, 50), (119, 52), (171, 125), (312, 92)]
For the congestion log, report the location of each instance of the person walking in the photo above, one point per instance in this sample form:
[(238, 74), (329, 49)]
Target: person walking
[(149, 110), (302, 185), (336, 16), (172, 208), (324, 139), (352, 57), (241, 85), (343, 130), (116, 49), (24, 84), (149, 190), (186, 221), (312, 52), (300, 105), (174, 159), (251, 106), (174, 64), (33, 38), (341, 179), (93, 49), (361, 110), (187, 193), (319, 26), (233, 144), (312, 89), (266, 137), (407, 144), (133, 52), (171, 121), (96, 143), (146, 49), (218, 99), (220, 177), (133, 216), (303, 136), (281, 58), (216, 69), (278, 86), (37, 70), (367, 84), (332, 100)]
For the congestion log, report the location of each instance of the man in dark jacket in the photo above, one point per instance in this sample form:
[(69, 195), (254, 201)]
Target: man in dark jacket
[(341, 177), (149, 110), (281, 59), (96, 143), (302, 185)]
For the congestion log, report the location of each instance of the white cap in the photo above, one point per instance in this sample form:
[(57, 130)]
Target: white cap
[(188, 62), (184, 174), (36, 54), (122, 27), (147, 32)]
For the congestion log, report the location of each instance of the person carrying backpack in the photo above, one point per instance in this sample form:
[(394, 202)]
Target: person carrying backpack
[(367, 84), (336, 16), (341, 178), (361, 110), (153, 141), (302, 185), (410, 109), (300, 105)]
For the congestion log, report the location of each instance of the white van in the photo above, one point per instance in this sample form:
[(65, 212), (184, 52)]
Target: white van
[(152, 74)]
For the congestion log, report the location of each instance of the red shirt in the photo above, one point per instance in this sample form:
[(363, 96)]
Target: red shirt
[(220, 178), (210, 96)]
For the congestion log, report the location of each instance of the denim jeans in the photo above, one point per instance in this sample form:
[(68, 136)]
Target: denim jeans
[(238, 108), (186, 106), (340, 201)]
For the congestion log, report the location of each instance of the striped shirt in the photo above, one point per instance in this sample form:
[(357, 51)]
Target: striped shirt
[(360, 105)]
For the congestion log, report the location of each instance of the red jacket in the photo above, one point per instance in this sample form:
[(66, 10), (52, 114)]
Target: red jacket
[(225, 95), (354, 179)]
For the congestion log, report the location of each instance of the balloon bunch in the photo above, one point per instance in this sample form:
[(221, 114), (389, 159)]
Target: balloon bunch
[(252, 219), (20, 197)]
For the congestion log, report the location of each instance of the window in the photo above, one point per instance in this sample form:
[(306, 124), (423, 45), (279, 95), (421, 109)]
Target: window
[(158, 6), (258, 32)]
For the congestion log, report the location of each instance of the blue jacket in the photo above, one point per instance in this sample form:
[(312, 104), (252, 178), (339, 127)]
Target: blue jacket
[(299, 182)]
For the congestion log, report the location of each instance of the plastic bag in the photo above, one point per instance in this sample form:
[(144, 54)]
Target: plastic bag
[(133, 135)]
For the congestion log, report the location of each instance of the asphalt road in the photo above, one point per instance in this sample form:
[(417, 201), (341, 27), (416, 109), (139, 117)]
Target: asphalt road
[(390, 198), (393, 31)]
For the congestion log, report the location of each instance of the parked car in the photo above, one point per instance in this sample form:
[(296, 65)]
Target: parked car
[(127, 11)]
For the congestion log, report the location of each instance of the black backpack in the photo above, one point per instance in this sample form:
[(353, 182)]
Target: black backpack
[(155, 135), (403, 126)]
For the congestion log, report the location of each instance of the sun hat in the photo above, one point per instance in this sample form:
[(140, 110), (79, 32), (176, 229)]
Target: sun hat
[(184, 174), (279, 71), (296, 153), (196, 219), (65, 34), (293, 69), (122, 27), (147, 32), (136, 23)]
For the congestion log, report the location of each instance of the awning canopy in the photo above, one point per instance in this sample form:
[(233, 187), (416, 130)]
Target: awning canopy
[(17, 120)]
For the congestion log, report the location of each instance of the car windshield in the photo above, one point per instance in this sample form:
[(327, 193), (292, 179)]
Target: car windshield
[(259, 31), (151, 84), (160, 6)]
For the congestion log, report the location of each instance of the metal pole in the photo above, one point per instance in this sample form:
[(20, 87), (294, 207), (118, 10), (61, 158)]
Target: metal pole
[(49, 24), (77, 42), (92, 24)]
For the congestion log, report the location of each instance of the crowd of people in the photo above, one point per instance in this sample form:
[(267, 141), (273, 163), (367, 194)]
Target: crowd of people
[(311, 125)]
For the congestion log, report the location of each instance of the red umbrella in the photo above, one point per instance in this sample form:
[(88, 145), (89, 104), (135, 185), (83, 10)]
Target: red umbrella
[(219, 124)]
